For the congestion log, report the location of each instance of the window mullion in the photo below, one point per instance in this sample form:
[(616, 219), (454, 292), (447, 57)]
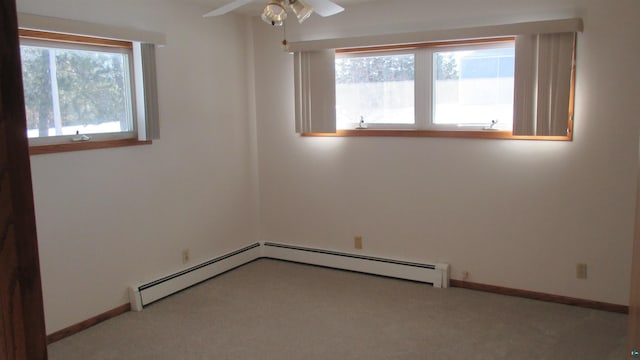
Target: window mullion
[(55, 95), (423, 88)]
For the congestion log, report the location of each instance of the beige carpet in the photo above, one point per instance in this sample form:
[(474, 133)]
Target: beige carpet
[(277, 310)]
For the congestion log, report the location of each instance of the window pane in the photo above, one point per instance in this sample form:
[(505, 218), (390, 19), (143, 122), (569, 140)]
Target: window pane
[(69, 91), (378, 88), (474, 87)]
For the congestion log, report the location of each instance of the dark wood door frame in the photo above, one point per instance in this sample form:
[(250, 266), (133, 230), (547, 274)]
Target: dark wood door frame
[(22, 330), (633, 340)]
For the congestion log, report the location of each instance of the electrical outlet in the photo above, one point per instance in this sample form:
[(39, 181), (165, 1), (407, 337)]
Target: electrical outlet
[(581, 271), (357, 242), (185, 256), (465, 275)]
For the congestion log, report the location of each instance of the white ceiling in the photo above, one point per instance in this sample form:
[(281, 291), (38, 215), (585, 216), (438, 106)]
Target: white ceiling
[(258, 5)]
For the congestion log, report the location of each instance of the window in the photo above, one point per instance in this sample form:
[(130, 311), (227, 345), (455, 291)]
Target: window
[(473, 86), (510, 81), (378, 88), (80, 90), (457, 87), (77, 89)]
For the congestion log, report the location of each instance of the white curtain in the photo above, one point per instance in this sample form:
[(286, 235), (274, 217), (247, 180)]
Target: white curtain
[(146, 89), (150, 84), (315, 91), (543, 83)]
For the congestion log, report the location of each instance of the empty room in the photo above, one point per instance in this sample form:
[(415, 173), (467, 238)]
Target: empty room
[(332, 179)]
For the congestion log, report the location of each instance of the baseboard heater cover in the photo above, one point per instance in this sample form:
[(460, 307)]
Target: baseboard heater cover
[(433, 273), (144, 294), (141, 295)]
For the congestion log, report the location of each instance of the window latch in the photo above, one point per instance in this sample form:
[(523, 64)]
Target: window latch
[(361, 124), (492, 126), (79, 137)]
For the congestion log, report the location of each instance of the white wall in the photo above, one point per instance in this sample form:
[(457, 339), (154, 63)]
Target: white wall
[(517, 214), (513, 213), (110, 218)]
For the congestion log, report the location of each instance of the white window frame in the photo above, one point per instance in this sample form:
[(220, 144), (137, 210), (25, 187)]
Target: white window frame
[(131, 91), (429, 125), (388, 126), (424, 77)]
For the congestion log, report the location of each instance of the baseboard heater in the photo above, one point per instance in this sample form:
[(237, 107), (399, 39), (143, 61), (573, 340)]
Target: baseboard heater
[(141, 295), (144, 294), (436, 274)]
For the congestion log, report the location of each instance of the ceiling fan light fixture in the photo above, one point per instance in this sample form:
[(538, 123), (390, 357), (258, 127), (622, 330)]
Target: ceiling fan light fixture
[(274, 13), (272, 22), (301, 9)]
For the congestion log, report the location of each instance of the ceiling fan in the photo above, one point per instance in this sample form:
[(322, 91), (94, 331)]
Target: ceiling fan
[(275, 12)]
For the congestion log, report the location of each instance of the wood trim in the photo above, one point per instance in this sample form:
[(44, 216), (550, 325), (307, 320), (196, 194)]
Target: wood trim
[(622, 309), (501, 135), (85, 145), (425, 45), (633, 335), (22, 324), (83, 325), (75, 39)]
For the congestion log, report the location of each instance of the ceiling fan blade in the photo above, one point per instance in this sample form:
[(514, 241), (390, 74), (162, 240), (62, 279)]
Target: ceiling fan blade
[(227, 8), (325, 7)]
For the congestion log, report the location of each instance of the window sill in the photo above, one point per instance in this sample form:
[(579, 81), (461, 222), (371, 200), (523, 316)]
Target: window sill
[(501, 135), (85, 145)]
